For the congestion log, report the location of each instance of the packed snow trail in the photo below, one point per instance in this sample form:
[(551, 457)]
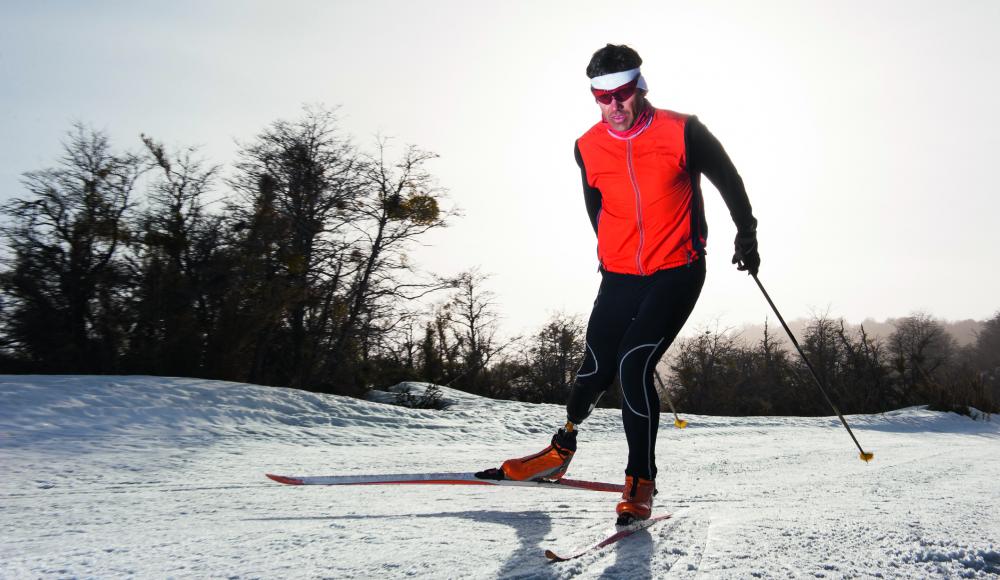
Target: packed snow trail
[(142, 476)]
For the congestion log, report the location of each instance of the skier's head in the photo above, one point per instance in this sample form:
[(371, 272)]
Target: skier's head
[(617, 85), (611, 59)]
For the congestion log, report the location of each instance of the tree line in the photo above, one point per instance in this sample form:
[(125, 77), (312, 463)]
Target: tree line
[(293, 268), (919, 363), (297, 277)]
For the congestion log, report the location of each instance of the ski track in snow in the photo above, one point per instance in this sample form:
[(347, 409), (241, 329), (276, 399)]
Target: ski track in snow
[(163, 477)]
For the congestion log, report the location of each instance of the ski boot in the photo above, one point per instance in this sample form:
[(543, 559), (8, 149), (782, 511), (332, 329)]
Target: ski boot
[(637, 500), (550, 463)]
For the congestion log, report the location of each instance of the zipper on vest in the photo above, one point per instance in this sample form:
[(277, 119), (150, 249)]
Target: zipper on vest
[(638, 206)]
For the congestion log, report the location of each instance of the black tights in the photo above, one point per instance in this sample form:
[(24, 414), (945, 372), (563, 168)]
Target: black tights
[(635, 319)]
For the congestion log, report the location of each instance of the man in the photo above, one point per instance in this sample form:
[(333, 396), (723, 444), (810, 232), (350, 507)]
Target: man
[(641, 171)]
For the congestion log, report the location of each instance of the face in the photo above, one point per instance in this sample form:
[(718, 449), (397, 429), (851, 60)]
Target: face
[(621, 115)]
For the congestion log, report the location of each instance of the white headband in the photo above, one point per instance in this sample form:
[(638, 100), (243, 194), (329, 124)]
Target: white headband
[(615, 80)]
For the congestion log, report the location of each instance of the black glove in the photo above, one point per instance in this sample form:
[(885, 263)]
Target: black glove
[(746, 255)]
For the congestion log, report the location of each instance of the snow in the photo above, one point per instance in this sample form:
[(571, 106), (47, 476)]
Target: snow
[(163, 477)]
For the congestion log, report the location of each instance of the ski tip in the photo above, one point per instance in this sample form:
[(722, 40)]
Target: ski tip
[(553, 556), (283, 479)]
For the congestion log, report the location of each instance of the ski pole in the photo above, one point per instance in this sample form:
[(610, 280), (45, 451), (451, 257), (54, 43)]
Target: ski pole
[(678, 422), (865, 455)]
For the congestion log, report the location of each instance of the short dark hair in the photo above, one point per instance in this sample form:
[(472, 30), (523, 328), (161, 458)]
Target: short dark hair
[(611, 59)]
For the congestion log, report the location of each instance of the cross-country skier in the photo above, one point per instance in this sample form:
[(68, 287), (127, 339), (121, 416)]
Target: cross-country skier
[(641, 170)]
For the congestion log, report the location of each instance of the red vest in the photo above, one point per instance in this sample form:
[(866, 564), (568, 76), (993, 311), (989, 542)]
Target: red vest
[(652, 215)]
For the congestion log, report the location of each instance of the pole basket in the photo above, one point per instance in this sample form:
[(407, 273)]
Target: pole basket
[(680, 423), (866, 456)]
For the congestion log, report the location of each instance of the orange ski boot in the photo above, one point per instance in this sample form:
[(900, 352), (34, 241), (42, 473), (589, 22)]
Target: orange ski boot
[(550, 463), (637, 500)]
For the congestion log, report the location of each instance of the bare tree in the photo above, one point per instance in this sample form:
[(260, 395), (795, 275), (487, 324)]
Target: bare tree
[(706, 373), (176, 248), (920, 346), (554, 355), (447, 345), (474, 322), (298, 181), (398, 202), (864, 377), (66, 285), (987, 347)]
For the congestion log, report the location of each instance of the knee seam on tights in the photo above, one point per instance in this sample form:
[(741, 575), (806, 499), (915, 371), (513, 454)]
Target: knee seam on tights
[(596, 364), (641, 379)]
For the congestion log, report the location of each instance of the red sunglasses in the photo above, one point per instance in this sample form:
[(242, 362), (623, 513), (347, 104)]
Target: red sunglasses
[(620, 94)]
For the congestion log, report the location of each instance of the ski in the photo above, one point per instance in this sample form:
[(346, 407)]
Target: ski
[(468, 478), (623, 532)]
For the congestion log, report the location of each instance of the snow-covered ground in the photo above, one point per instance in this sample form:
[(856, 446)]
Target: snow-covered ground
[(157, 477)]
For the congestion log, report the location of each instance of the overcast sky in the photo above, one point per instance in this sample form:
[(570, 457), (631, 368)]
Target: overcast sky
[(866, 132)]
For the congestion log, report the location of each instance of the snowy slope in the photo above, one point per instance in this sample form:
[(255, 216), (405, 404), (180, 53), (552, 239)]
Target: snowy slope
[(162, 477)]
